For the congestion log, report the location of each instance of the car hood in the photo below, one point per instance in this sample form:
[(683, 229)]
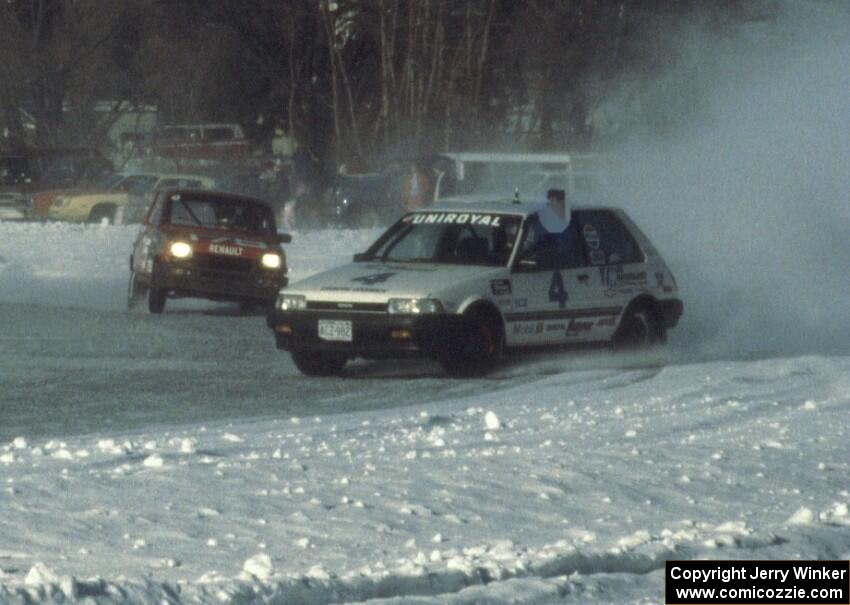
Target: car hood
[(375, 282)]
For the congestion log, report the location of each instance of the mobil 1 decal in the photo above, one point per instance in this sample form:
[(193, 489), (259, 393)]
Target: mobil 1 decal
[(557, 292), (375, 278), (455, 218)]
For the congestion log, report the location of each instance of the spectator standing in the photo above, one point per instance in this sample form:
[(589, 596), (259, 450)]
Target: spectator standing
[(418, 188)]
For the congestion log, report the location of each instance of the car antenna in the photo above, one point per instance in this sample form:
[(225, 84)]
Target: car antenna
[(516, 195)]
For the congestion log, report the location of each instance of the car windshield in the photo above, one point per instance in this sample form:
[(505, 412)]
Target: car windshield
[(449, 238), (226, 213)]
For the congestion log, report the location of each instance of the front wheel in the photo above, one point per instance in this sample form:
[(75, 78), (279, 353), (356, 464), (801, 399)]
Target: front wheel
[(474, 350), (156, 300), (318, 364)]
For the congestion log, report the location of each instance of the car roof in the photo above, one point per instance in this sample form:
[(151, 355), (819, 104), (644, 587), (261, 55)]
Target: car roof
[(216, 194), (501, 206)]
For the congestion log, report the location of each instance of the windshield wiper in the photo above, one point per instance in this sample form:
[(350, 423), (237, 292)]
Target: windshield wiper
[(192, 214)]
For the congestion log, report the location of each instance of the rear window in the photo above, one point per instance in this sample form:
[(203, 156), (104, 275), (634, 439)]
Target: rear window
[(607, 239), (223, 213)]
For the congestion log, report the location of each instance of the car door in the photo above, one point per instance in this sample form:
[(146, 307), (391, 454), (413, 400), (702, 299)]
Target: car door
[(617, 265), (554, 289)]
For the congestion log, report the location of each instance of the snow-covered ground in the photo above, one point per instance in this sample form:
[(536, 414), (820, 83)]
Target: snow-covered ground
[(182, 459)]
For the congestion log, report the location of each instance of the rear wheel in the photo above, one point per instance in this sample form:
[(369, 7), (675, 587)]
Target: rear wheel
[(640, 328), (318, 364), (475, 349)]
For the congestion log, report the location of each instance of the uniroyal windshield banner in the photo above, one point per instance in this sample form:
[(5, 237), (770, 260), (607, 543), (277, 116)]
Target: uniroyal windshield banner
[(757, 582), (454, 218)]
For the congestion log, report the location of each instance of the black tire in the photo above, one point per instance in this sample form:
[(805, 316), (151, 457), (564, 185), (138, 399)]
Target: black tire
[(475, 349), (156, 300), (98, 213), (640, 328), (318, 364)]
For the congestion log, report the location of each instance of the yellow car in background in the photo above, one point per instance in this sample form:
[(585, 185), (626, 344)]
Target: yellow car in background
[(100, 206)]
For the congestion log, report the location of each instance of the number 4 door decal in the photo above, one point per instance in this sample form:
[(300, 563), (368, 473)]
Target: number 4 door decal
[(557, 292)]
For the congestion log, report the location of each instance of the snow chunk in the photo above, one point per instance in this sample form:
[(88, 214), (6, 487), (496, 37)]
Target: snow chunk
[(809, 405), (40, 575), (839, 514), (19, 443), (232, 438), (803, 516), (491, 421), (638, 538), (153, 461), (259, 566), (108, 446)]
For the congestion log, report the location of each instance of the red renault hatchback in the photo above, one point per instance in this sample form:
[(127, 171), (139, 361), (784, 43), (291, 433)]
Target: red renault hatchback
[(207, 244)]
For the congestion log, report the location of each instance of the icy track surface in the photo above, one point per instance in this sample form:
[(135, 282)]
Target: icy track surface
[(181, 459)]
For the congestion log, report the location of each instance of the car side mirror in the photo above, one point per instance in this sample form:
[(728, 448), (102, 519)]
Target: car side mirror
[(284, 238), (360, 257)]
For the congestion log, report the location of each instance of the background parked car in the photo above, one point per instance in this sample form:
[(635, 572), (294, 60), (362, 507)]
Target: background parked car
[(110, 205), (25, 175), (207, 244)]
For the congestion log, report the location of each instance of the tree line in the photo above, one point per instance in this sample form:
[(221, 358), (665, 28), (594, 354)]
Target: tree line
[(345, 78)]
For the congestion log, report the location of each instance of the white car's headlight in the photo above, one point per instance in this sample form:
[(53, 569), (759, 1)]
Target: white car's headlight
[(291, 302), (271, 260), (180, 250), (414, 306)]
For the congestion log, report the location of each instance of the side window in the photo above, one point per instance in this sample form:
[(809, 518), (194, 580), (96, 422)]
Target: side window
[(552, 250), (608, 241)]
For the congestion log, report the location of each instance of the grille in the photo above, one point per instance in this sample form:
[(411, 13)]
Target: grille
[(346, 306), (225, 263)]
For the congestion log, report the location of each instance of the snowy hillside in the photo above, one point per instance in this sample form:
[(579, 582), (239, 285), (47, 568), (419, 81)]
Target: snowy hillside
[(182, 459)]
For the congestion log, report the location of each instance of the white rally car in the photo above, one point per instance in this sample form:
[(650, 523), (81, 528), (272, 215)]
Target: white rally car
[(464, 283)]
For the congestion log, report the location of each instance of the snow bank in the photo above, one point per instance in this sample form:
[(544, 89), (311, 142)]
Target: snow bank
[(577, 493)]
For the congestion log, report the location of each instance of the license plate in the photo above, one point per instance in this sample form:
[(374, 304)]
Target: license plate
[(335, 329)]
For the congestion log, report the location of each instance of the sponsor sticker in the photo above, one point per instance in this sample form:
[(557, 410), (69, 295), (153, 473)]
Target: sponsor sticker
[(500, 287), (591, 236), (577, 326), (454, 218), (597, 257), (375, 278)]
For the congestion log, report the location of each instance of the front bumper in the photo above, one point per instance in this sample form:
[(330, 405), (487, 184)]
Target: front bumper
[(372, 333), (191, 280)]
